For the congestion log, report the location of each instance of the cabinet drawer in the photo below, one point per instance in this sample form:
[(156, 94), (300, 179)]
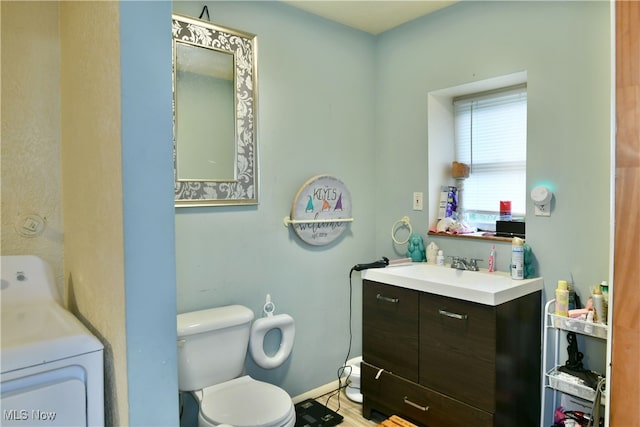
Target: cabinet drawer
[(390, 328), (458, 349), (390, 393)]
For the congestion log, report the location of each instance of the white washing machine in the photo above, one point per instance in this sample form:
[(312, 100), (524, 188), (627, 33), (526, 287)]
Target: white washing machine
[(52, 366)]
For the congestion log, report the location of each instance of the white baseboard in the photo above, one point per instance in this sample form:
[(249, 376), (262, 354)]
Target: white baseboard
[(318, 391)]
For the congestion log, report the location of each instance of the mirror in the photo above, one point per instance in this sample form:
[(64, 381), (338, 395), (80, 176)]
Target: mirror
[(205, 141), (214, 86)]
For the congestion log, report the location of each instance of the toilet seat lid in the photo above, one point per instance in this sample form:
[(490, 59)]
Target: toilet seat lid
[(245, 402)]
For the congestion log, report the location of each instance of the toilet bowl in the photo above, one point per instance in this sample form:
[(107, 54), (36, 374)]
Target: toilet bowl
[(212, 347), (245, 402)]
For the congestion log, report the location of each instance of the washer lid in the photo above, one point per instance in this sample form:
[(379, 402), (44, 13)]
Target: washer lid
[(33, 334), (245, 402)]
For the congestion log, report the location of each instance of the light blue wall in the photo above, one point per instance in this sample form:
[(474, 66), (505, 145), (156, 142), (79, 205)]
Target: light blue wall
[(564, 47), (315, 116), (147, 190), (338, 101)]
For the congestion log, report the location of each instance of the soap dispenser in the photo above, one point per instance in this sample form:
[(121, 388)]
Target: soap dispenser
[(440, 258)]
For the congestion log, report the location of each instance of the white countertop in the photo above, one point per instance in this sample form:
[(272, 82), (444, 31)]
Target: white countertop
[(477, 286)]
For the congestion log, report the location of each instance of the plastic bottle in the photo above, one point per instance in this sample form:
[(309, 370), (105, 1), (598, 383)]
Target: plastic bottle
[(440, 258), (492, 259), (604, 288), (517, 258), (598, 305), (572, 297), (562, 298), (432, 253), (588, 328)]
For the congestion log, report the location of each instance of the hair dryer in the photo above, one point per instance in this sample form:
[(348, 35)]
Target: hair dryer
[(381, 263)]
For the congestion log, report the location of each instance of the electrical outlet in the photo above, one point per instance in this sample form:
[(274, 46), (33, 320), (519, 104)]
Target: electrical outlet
[(417, 201), (542, 210), (30, 225)]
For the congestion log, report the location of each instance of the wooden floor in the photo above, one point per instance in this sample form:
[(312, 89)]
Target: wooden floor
[(351, 411)]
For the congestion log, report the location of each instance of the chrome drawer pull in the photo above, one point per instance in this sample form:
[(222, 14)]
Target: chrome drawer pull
[(415, 405), (387, 299), (454, 315)]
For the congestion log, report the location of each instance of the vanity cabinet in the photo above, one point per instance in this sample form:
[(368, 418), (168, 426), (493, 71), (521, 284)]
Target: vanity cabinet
[(442, 361)]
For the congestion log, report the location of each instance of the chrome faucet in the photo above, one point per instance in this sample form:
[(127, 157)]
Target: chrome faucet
[(462, 263)]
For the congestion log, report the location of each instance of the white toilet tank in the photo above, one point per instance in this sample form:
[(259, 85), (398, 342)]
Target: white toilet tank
[(212, 345)]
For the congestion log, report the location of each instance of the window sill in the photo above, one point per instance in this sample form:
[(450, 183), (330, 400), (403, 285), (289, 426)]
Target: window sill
[(480, 235)]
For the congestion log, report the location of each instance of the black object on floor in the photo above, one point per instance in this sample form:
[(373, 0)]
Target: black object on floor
[(310, 413)]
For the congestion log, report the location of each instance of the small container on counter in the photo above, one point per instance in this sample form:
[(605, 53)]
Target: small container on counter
[(492, 259)]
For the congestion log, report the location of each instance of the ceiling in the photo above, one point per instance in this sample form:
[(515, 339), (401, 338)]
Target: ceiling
[(371, 16)]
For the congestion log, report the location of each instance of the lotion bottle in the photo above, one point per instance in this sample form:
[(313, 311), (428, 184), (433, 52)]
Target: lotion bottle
[(440, 258), (562, 298)]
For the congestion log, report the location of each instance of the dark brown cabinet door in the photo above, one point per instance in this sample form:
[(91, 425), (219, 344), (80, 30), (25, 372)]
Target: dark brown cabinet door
[(390, 328), (460, 335)]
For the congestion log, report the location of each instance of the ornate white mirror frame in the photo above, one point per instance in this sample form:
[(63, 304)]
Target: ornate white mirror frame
[(242, 189)]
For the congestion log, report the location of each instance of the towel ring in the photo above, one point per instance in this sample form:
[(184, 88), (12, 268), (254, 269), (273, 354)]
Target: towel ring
[(404, 221)]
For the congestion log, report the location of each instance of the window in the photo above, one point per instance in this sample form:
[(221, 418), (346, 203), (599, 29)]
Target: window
[(491, 137)]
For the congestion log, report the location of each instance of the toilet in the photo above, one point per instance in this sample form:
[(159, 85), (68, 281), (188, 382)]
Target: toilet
[(212, 346)]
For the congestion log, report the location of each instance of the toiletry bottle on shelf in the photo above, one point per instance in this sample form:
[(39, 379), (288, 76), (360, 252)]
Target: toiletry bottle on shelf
[(572, 297), (440, 258), (517, 258), (598, 305), (492, 259), (588, 328), (562, 298), (604, 288)]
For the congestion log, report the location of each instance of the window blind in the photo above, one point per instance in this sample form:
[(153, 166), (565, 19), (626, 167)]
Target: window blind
[(491, 137)]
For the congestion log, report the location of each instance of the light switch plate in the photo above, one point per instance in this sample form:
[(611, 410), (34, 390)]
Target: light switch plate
[(417, 201)]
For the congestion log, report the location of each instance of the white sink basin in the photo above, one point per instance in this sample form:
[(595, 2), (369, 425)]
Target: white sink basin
[(477, 286)]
